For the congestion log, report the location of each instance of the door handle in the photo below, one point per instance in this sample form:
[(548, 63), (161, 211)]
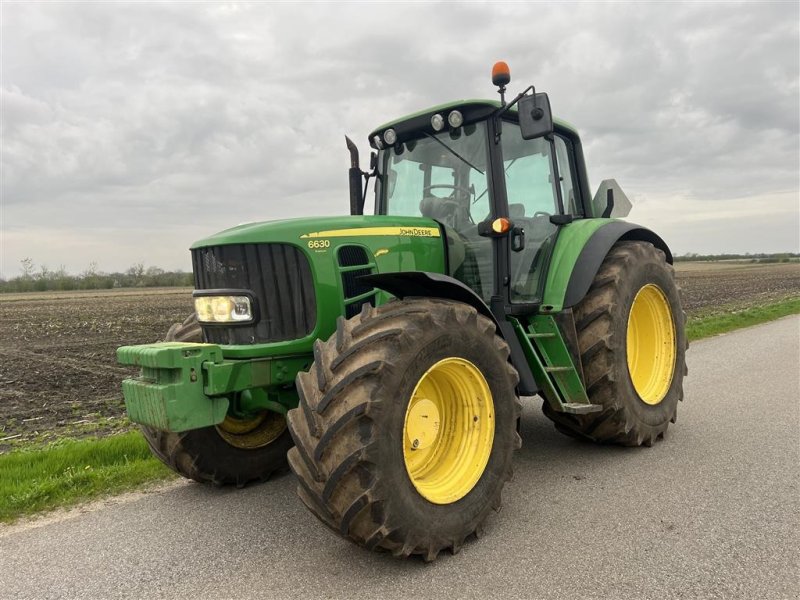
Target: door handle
[(517, 239)]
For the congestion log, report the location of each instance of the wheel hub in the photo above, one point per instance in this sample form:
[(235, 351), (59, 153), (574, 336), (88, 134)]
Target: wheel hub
[(651, 344), (422, 426), (448, 430), (248, 434)]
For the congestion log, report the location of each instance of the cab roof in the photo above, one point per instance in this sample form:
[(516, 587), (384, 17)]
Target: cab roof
[(487, 105)]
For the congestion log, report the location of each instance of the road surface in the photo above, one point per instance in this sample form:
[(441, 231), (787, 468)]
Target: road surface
[(711, 512)]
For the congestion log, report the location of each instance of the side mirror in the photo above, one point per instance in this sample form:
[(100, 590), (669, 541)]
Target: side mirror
[(610, 201), (535, 117)]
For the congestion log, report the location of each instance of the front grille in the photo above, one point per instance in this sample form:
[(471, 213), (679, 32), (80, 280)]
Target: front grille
[(280, 277)]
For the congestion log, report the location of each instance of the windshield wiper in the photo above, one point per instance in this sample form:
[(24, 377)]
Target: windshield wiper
[(483, 193), (453, 152)]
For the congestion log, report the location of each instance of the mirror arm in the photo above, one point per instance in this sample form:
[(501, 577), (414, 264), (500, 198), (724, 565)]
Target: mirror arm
[(506, 108), (518, 97)]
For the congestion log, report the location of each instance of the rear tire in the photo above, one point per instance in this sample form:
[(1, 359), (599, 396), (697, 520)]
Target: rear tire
[(633, 413), (358, 470), (205, 456)]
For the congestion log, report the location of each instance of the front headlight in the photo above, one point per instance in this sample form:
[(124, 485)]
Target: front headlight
[(214, 307)]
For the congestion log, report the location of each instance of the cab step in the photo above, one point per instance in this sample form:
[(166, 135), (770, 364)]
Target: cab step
[(541, 336), (552, 365), (579, 408)]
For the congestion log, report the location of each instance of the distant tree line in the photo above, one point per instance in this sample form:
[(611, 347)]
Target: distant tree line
[(42, 279), (760, 257)]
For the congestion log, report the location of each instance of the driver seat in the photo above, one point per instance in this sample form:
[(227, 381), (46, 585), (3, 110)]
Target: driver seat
[(447, 211)]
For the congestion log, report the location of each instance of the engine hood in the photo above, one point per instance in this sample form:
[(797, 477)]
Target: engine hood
[(302, 231)]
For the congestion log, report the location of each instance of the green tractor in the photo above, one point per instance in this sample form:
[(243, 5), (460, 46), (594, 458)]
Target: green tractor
[(387, 354)]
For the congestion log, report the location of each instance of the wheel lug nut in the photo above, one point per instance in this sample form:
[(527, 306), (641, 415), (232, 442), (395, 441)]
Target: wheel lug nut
[(415, 444)]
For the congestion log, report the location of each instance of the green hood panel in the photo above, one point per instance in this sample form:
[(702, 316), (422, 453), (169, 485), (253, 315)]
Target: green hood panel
[(297, 231)]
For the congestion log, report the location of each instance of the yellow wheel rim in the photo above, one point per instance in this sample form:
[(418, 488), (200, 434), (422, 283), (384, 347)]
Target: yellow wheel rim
[(448, 430), (651, 344), (249, 434)]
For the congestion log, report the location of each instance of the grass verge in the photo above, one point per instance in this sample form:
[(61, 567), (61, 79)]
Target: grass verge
[(68, 472), (704, 326), (71, 471)]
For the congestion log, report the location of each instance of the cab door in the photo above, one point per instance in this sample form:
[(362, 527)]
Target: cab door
[(538, 182)]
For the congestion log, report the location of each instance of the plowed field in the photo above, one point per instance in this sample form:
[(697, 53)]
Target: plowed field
[(59, 376), (58, 369)]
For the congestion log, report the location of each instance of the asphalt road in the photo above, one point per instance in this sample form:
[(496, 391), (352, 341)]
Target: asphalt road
[(711, 512)]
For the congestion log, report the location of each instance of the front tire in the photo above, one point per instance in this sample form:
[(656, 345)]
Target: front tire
[(406, 427), (632, 342), (235, 452)]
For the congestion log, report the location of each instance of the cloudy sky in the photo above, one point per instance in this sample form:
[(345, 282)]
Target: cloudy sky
[(130, 130)]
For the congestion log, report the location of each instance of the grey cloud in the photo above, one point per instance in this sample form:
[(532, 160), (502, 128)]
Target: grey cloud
[(126, 122)]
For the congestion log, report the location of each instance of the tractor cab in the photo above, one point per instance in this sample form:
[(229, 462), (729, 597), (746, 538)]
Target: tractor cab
[(500, 188)]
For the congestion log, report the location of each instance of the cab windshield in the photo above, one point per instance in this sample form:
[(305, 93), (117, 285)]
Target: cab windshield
[(441, 176), (444, 177)]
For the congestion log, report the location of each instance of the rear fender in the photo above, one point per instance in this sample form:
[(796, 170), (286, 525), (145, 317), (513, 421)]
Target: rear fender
[(579, 253)]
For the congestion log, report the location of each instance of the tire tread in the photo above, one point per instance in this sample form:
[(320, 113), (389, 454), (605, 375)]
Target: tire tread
[(362, 350), (598, 347)]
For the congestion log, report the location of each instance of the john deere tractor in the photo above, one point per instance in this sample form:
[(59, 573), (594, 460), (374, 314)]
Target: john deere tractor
[(387, 353)]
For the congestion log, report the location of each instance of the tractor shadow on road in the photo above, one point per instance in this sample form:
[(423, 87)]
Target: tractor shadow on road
[(548, 455), (550, 470)]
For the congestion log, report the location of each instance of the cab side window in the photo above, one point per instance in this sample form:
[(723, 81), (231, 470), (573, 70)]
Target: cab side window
[(569, 195), (529, 180)]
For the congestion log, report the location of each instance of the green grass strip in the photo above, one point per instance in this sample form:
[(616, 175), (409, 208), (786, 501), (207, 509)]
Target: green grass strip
[(71, 471), (705, 326)]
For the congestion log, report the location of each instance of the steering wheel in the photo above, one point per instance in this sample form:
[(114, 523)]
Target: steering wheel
[(456, 188)]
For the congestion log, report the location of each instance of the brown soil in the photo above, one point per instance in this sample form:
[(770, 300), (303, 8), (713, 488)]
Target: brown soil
[(58, 371), (711, 287)]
